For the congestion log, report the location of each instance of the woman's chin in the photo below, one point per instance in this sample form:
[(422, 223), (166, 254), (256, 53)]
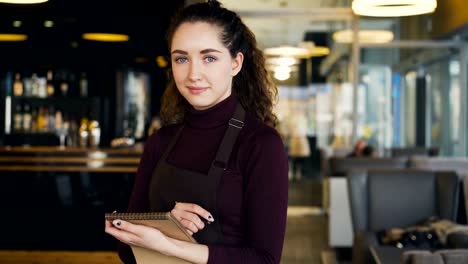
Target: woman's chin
[(200, 104)]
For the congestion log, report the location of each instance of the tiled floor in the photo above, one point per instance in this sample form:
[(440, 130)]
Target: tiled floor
[(305, 238), (306, 235)]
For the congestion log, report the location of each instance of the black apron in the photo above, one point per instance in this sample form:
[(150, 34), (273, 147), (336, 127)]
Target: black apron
[(170, 184)]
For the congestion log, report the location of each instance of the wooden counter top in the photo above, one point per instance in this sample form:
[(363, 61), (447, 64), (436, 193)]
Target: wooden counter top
[(58, 257), (138, 149), (124, 160)]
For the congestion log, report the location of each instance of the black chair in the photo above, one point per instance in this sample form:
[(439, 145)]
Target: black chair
[(444, 256), (383, 199), (340, 166), (457, 164), (339, 218), (414, 151)]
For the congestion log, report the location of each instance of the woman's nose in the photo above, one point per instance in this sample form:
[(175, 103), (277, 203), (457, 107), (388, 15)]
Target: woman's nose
[(195, 72)]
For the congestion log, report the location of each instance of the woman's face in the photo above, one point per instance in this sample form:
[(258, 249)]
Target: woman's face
[(202, 67)]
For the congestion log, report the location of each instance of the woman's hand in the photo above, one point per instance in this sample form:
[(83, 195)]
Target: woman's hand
[(152, 239), (141, 236), (192, 216)]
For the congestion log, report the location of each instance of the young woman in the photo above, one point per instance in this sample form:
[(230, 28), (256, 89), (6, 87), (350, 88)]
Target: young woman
[(218, 158)]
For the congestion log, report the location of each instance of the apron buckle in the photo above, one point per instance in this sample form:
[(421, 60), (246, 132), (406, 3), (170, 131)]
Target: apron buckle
[(236, 123)]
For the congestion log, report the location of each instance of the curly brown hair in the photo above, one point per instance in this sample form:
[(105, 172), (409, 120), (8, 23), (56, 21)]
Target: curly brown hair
[(252, 85)]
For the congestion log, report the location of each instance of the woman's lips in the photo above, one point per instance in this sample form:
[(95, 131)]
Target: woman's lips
[(197, 90)]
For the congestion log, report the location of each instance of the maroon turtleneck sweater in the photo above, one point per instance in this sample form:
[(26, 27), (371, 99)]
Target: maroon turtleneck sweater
[(253, 193)]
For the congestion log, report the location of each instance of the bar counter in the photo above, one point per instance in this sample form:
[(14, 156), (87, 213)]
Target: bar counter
[(117, 160), (55, 198)]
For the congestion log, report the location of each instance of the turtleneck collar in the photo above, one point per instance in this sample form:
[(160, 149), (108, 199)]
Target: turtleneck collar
[(214, 116)]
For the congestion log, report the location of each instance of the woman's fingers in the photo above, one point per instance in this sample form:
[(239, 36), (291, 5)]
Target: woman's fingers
[(188, 217), (194, 208), (108, 225), (122, 231), (191, 215), (190, 226)]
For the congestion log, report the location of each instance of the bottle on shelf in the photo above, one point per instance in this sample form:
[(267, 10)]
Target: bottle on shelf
[(18, 119), (27, 118), (83, 85), (94, 133), (50, 85), (40, 119), (83, 132), (42, 88), (51, 122), (45, 127), (64, 86), (34, 120), (58, 119), (73, 135), (18, 88), (27, 87), (34, 85)]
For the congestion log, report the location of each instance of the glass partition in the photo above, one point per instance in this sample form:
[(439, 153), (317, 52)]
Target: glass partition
[(444, 97)]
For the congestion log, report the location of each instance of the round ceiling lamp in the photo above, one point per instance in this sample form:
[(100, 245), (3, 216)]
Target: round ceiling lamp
[(282, 73), (106, 37), (285, 61), (314, 51), (320, 51), (393, 8), (23, 1), (365, 36), (13, 37), (287, 51)]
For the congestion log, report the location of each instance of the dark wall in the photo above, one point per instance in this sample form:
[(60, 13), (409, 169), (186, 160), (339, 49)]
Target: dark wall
[(62, 48)]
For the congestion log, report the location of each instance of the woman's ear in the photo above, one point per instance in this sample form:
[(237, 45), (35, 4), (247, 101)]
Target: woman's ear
[(237, 64)]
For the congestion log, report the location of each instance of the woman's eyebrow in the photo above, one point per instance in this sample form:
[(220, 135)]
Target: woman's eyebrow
[(179, 52), (202, 52), (209, 50)]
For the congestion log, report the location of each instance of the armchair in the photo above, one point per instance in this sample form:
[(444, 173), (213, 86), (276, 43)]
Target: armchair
[(457, 164), (341, 166), (382, 199), (335, 193), (413, 151), (450, 256)]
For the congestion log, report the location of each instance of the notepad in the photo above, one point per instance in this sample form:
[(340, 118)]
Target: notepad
[(164, 222)]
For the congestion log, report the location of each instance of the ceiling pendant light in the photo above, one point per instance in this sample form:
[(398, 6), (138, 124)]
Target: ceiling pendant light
[(365, 36), (13, 37), (393, 8), (106, 37), (287, 51), (320, 51), (25, 2)]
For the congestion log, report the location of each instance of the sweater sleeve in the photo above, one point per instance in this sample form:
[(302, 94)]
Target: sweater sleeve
[(139, 197), (266, 200)]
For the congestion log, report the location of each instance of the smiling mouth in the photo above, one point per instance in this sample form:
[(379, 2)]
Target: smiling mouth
[(197, 90)]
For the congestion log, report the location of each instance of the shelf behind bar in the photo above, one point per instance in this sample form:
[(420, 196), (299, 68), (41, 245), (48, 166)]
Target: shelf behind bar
[(67, 160), (48, 149), (114, 169), (59, 159)]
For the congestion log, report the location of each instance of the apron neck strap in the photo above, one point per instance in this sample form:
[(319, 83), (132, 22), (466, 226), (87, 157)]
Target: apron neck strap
[(224, 151)]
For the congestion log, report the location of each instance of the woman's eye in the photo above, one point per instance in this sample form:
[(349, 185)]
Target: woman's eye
[(210, 59), (181, 60)]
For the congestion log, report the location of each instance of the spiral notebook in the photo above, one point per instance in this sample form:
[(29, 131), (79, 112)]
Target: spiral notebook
[(164, 222)]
